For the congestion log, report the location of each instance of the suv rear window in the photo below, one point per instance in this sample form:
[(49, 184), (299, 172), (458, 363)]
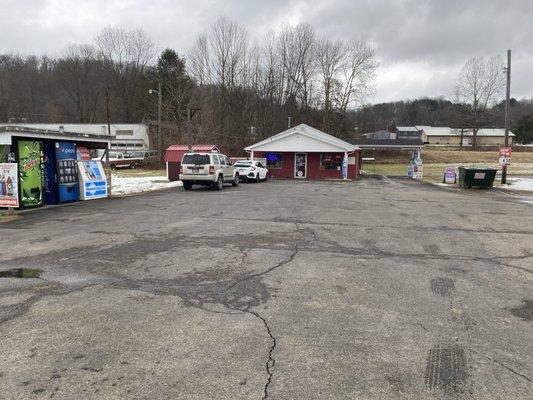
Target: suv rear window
[(243, 164), (196, 159)]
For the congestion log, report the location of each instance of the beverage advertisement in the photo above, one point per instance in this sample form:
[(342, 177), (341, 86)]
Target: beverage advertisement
[(30, 174), (9, 196), (505, 156), (49, 174), (67, 171), (93, 184)]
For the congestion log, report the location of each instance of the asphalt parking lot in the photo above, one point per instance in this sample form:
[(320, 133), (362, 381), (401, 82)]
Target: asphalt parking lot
[(379, 289)]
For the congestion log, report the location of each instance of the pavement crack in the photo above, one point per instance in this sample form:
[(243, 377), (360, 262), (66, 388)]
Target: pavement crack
[(269, 365), (502, 365)]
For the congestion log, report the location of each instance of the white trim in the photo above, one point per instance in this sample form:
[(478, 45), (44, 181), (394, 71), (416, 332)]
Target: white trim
[(294, 166), (305, 130)]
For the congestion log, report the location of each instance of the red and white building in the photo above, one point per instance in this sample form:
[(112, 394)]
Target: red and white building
[(175, 152), (304, 152)]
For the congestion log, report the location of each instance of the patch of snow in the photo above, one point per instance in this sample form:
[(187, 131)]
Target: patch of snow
[(519, 184), (130, 185)]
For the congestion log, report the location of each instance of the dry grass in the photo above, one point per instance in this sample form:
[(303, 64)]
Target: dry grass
[(434, 172), (139, 172), (432, 155)]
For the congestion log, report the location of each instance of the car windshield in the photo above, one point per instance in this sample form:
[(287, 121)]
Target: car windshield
[(196, 159), (243, 164)]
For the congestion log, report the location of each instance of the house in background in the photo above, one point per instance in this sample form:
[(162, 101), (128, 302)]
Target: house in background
[(304, 152), (445, 136), (124, 137)]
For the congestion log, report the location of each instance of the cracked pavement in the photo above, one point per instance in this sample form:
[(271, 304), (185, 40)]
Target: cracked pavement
[(378, 289)]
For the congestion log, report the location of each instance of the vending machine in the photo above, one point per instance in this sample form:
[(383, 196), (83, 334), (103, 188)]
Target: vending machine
[(93, 183), (30, 173), (51, 195), (67, 172)]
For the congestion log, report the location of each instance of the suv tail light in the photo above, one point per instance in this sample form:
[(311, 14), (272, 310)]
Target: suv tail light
[(181, 170), (211, 169), (252, 168)]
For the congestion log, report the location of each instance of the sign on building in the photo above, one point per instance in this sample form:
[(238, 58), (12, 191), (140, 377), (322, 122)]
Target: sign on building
[(9, 196)]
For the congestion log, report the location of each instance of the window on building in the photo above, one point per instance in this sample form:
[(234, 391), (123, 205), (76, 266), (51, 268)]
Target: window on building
[(330, 161), (274, 161)]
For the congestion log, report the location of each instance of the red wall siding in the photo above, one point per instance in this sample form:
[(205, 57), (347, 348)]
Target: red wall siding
[(315, 172), (313, 167), (287, 165)]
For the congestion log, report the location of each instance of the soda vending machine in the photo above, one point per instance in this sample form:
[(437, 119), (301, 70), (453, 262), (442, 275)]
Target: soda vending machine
[(51, 195), (30, 173), (67, 172)]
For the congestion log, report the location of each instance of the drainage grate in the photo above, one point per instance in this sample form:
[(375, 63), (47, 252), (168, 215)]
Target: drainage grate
[(442, 286), (446, 368), (20, 273)]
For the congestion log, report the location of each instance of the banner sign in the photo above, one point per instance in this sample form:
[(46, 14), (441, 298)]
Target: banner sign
[(9, 196), (505, 156), (93, 183)]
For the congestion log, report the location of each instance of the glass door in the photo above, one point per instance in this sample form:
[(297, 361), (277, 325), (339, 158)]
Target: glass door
[(300, 165)]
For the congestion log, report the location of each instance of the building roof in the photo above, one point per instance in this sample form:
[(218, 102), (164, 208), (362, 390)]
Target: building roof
[(407, 129), (387, 143), (195, 147), (302, 138), (7, 132)]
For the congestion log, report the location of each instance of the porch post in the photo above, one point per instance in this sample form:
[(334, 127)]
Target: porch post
[(344, 169), (252, 155)]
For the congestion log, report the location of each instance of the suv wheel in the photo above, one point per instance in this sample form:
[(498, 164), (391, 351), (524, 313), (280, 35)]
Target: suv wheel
[(257, 178), (220, 183), (187, 185), (236, 180)]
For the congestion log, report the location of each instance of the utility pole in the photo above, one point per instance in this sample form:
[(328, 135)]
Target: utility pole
[(159, 138), (107, 150), (190, 115), (507, 119)]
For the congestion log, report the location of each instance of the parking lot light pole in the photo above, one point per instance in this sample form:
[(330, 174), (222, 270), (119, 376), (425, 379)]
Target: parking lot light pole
[(159, 139)]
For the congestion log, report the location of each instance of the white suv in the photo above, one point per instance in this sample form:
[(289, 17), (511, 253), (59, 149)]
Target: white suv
[(207, 169)]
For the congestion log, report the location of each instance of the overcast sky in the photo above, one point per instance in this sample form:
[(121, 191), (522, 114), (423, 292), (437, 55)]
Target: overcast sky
[(420, 44)]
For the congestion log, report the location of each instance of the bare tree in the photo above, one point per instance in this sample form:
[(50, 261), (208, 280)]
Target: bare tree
[(330, 56), (481, 81), (128, 54), (78, 74)]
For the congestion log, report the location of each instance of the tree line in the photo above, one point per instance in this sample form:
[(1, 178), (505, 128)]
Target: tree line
[(244, 89)]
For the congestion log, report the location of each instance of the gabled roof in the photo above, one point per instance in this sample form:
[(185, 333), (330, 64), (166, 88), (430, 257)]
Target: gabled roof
[(306, 131)]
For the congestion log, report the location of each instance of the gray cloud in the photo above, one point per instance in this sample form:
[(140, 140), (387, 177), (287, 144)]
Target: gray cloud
[(420, 45)]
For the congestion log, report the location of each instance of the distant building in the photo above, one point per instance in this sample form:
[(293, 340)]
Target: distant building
[(408, 132), (125, 137), (380, 135), (445, 136)]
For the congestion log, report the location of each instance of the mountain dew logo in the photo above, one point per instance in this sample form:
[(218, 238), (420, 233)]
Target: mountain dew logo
[(29, 164)]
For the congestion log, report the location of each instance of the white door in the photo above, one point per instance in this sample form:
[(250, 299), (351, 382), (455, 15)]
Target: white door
[(300, 165)]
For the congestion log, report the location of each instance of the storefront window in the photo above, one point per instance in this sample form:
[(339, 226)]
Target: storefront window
[(274, 160), (330, 161)]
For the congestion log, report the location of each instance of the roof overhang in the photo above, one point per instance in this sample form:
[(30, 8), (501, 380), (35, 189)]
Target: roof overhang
[(90, 140)]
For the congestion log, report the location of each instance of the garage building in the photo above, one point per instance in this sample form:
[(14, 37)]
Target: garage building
[(304, 152)]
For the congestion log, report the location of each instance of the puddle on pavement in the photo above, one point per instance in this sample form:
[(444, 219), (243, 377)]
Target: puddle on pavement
[(24, 273), (525, 311)]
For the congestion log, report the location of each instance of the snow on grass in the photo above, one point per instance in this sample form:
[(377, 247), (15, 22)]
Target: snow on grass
[(130, 185), (519, 184)]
